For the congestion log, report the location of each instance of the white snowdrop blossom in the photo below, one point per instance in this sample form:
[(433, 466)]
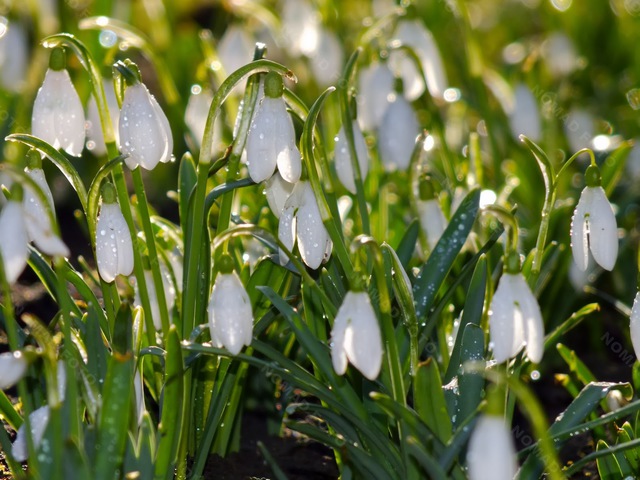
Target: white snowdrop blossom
[(13, 240), (594, 230), (95, 136), (37, 221), (58, 116), (560, 54), (344, 167), (432, 220), (635, 325), (579, 128), (515, 320), (491, 454), (169, 294), (145, 134), (300, 220), (415, 35), (235, 49), (327, 59), (300, 27), (525, 116), (13, 366), (376, 91), (356, 336), (196, 113), (278, 191), (38, 421), (397, 134), (230, 313), (271, 140), (114, 247), (14, 55)]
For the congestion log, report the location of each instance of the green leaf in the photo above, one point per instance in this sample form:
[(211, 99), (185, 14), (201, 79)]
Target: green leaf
[(171, 408), (576, 365), (613, 167), (430, 402), (408, 243), (437, 267), (428, 463), (608, 467), (187, 177), (470, 384)]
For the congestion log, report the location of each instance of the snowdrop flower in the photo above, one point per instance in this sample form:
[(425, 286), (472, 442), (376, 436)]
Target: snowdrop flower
[(230, 313), (593, 226), (327, 59), (38, 421), (524, 118), (356, 336), (114, 248), (14, 55), (376, 89), (415, 35), (344, 167), (491, 454), (397, 134), (301, 220), (579, 129), (13, 366), (635, 324), (37, 219), (272, 139), (300, 27), (432, 220), (95, 137), (278, 191), (560, 55), (515, 319), (235, 49), (167, 286), (58, 116), (13, 236), (195, 116), (145, 134)]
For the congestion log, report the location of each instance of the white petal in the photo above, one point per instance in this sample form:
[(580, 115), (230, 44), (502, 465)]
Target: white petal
[(278, 191), (138, 388), (38, 420), (327, 58), (58, 116), (338, 353), (532, 317), (14, 57), (432, 220), (13, 240), (261, 141), (13, 367), (230, 314), (376, 87), (525, 119), (603, 230), (491, 454), (344, 167), (635, 324), (502, 320), (300, 27), (397, 135), (579, 129), (235, 49), (143, 134), (311, 232), (114, 248), (560, 54), (288, 156), (287, 223), (195, 117), (579, 230), (166, 128), (362, 339)]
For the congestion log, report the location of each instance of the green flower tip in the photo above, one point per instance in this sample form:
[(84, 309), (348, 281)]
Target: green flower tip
[(592, 176), (495, 402), (225, 264), (353, 106), (512, 262), (108, 193), (129, 71), (34, 160), (398, 86), (58, 59), (425, 189), (273, 85)]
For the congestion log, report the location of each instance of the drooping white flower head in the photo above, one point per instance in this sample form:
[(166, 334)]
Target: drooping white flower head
[(38, 421), (300, 27), (414, 34), (13, 237), (579, 128), (301, 220), (515, 320), (13, 366), (235, 49), (230, 313), (169, 293), (58, 116), (594, 229), (560, 54), (430, 213), (376, 89), (491, 454), (524, 118), (14, 55), (356, 336), (271, 140), (95, 136), (145, 134), (278, 191), (327, 59), (114, 248), (397, 134), (634, 325), (195, 116), (344, 167)]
